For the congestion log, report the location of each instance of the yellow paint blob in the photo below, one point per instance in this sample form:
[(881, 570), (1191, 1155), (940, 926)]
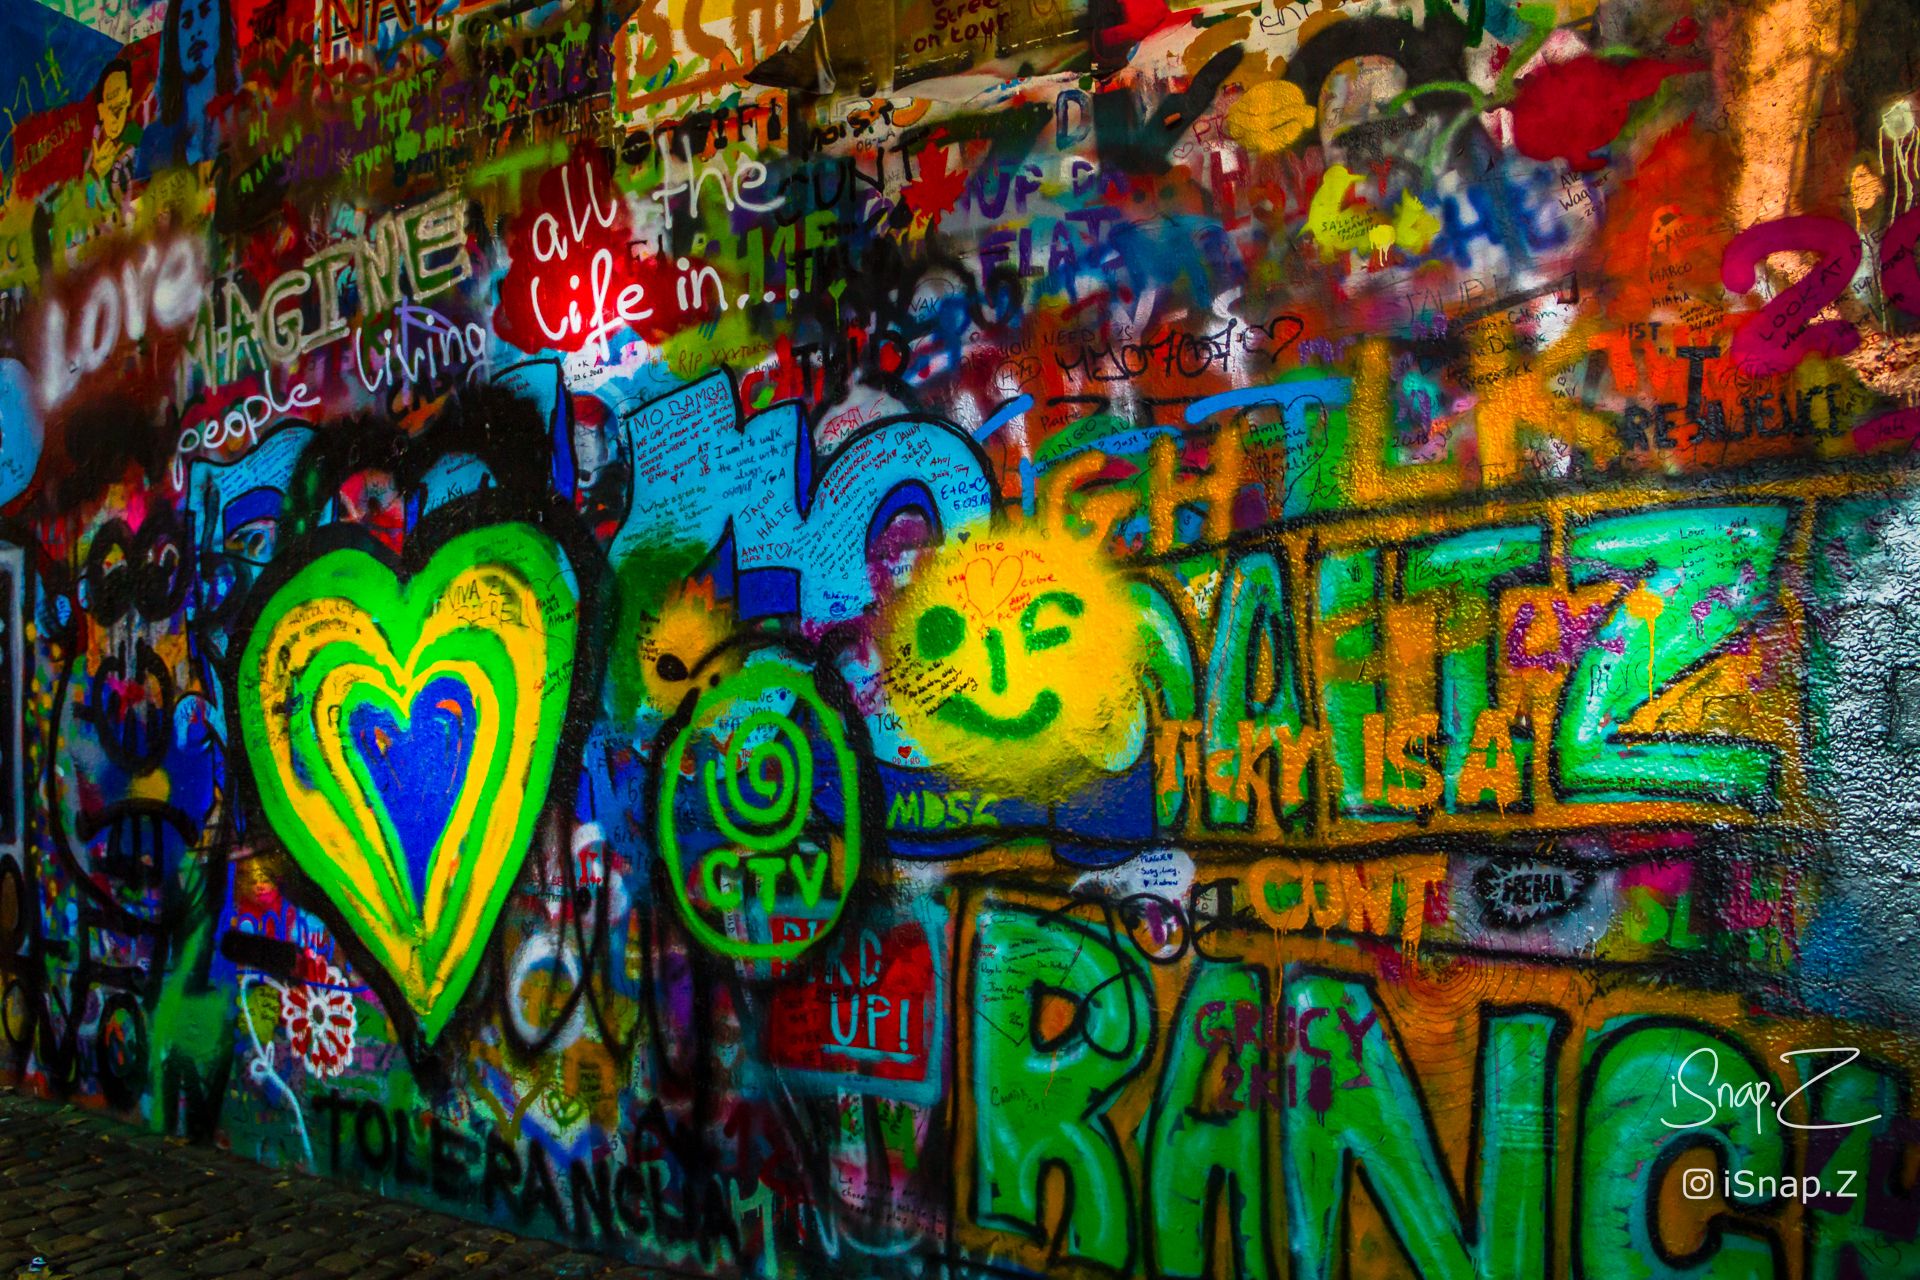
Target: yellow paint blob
[(690, 626), (1270, 116), (1339, 227)]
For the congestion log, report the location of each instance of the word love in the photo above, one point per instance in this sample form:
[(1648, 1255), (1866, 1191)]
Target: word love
[(163, 288)]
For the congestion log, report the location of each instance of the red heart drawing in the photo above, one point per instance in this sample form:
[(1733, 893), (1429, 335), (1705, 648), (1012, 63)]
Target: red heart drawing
[(990, 585)]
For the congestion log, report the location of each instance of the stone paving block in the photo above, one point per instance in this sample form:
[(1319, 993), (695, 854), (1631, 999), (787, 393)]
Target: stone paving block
[(41, 1236), (180, 1217), (104, 1259), (226, 1262), (299, 1242), (390, 1240), (125, 1227), (51, 1198), (67, 1244), (274, 1213), (123, 1186), (97, 1270), (385, 1269)]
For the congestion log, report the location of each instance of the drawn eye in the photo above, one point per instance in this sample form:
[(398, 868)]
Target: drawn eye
[(160, 578), (940, 631), (253, 541), (106, 581), (1048, 637)]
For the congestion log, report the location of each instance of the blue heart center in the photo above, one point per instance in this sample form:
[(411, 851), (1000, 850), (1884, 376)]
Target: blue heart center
[(418, 768)]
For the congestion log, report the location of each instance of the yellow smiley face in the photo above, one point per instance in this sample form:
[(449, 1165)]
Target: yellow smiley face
[(1014, 663)]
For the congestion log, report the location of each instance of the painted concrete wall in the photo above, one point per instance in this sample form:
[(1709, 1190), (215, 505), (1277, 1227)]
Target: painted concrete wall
[(901, 637)]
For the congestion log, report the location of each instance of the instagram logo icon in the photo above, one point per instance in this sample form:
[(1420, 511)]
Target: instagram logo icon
[(1697, 1184)]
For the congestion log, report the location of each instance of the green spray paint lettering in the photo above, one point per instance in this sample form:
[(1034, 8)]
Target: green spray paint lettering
[(1042, 1083), (1702, 576), (1203, 1160), (1253, 639), (1460, 572), (1380, 1133), (1626, 1147)]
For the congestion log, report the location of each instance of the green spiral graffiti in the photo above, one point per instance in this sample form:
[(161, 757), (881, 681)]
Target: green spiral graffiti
[(791, 761), (762, 805)]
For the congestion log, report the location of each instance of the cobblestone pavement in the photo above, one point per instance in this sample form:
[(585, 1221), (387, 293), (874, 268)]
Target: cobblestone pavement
[(88, 1197)]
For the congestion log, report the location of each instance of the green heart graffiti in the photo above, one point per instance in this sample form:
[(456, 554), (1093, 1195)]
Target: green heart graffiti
[(492, 617)]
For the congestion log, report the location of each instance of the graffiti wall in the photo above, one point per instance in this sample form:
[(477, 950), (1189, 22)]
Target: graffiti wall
[(813, 638)]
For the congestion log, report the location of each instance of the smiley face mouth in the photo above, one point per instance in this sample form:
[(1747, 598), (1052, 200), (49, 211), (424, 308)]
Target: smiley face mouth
[(964, 713)]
